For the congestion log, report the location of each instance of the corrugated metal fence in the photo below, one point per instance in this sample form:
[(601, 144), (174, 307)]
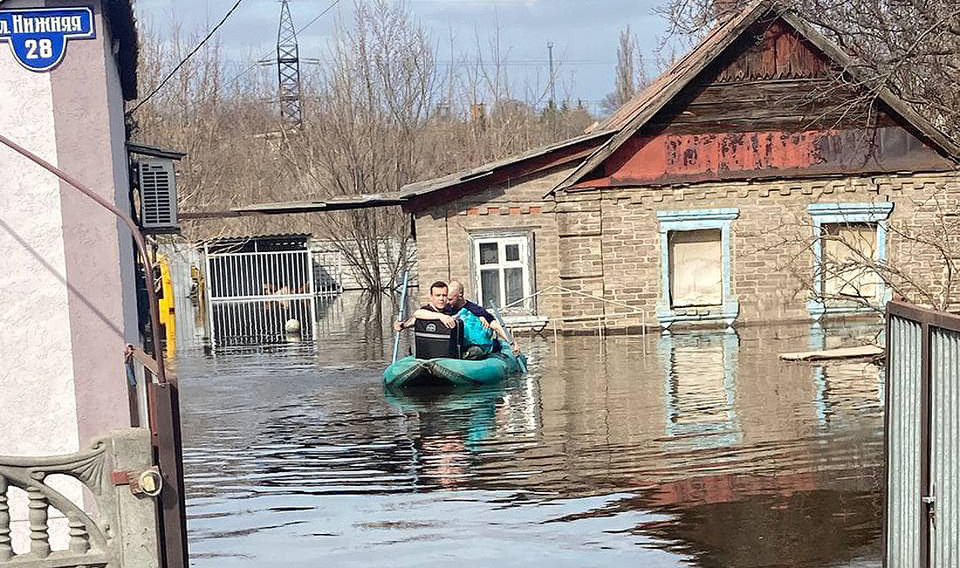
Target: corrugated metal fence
[(922, 500)]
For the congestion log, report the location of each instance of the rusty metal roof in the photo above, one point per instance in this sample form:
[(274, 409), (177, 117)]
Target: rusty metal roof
[(631, 117)]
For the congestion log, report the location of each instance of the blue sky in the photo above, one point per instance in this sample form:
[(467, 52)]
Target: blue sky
[(584, 32)]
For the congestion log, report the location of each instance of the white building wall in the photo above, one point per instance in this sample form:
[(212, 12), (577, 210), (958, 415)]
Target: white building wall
[(38, 413)]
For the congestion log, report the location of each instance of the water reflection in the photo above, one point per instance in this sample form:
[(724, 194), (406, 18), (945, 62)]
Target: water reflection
[(701, 390), (697, 449)]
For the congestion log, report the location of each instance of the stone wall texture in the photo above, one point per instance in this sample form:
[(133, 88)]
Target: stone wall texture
[(443, 233)]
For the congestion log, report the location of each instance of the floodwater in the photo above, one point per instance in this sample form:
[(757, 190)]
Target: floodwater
[(697, 449)]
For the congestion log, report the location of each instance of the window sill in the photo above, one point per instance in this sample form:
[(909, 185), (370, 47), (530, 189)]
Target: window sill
[(818, 309), (727, 312)]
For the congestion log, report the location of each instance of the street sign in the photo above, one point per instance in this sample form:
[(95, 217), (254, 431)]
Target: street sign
[(38, 37)]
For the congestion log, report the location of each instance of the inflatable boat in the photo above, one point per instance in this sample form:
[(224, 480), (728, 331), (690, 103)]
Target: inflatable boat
[(448, 371)]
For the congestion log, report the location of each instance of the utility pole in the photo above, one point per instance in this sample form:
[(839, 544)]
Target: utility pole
[(288, 66), (553, 91)]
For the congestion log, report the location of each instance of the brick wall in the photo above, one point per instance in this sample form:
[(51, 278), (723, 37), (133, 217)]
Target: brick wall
[(771, 265), (443, 232), (608, 244)]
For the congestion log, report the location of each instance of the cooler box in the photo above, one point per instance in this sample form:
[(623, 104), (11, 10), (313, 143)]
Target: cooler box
[(433, 340)]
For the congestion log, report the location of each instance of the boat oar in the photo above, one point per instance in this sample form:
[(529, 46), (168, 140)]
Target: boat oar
[(403, 310), (506, 331)]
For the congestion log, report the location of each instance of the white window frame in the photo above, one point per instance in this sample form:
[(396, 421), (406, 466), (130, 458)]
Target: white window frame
[(525, 261)]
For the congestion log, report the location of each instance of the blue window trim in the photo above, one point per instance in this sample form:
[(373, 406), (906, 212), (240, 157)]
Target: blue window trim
[(833, 213), (725, 430), (693, 220)]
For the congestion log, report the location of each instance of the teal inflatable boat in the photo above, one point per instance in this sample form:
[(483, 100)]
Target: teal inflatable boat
[(447, 372)]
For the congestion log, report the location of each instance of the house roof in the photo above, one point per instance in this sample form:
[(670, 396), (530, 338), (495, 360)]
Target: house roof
[(312, 206), (635, 114), (419, 189)]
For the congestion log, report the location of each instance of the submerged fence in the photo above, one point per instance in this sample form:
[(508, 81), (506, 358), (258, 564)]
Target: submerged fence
[(264, 296), (922, 438)]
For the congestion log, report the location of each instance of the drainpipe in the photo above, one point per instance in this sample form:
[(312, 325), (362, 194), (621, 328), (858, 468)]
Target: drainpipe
[(137, 237)]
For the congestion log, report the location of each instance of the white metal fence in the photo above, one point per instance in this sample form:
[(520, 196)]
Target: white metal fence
[(263, 297)]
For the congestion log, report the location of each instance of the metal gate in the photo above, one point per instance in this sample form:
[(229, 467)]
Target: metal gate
[(260, 296), (922, 438)]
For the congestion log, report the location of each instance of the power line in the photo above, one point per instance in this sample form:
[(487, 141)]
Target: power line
[(185, 59), (300, 30)]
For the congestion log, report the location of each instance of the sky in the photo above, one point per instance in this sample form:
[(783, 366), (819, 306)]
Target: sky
[(584, 33)]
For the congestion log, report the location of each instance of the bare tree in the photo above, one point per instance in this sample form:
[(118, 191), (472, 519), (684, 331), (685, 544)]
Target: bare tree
[(225, 130), (630, 77), (369, 112), (380, 115), (839, 264)]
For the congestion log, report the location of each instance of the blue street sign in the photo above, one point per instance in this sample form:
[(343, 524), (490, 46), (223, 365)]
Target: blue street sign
[(38, 37)]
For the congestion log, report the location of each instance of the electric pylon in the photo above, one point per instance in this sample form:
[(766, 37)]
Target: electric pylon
[(288, 65)]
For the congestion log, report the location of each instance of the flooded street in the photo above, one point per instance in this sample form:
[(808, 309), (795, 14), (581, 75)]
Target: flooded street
[(696, 449)]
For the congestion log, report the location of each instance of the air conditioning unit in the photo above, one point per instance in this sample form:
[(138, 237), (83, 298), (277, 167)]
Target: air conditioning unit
[(158, 195)]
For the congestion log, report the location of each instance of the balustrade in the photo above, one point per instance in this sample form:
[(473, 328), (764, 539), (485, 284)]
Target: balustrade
[(91, 542)]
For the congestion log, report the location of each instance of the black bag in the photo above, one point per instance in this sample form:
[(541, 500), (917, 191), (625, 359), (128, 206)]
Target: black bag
[(432, 339)]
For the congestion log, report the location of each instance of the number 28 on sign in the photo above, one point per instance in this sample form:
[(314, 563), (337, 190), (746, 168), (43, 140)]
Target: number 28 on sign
[(38, 37)]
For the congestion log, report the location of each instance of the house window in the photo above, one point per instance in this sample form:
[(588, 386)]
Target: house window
[(849, 239), (848, 251), (695, 266), (503, 270)]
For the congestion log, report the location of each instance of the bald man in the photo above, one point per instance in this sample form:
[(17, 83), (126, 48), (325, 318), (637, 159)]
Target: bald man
[(456, 302)]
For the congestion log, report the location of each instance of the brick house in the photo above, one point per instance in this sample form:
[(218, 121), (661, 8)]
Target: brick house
[(682, 206)]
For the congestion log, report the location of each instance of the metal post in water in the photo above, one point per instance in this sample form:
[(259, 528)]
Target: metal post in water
[(403, 310), (314, 323)]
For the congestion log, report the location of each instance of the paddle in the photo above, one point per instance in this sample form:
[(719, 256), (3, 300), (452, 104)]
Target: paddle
[(506, 331), (403, 310)]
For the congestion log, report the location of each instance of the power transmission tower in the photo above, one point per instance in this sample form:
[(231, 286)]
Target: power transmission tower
[(288, 65)]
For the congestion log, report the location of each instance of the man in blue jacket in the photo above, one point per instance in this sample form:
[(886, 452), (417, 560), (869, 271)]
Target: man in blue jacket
[(456, 302)]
